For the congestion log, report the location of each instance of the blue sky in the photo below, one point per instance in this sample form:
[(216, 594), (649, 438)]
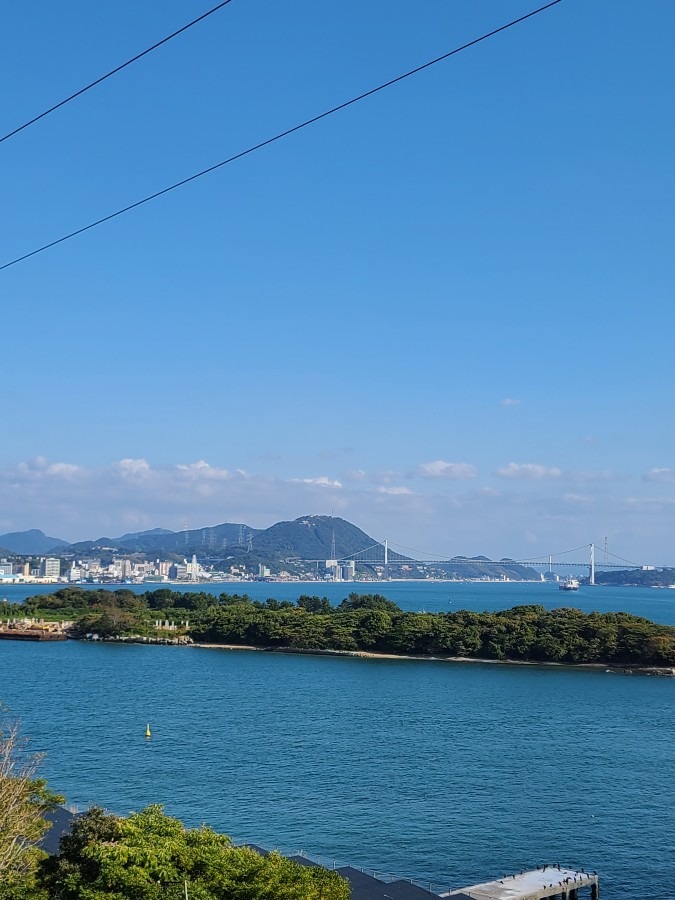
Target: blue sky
[(445, 314)]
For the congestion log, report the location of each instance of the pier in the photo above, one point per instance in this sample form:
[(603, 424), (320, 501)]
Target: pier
[(551, 882)]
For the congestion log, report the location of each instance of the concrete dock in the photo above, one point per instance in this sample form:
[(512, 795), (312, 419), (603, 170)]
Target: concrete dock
[(540, 884)]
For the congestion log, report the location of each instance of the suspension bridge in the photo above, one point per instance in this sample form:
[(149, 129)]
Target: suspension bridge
[(384, 555)]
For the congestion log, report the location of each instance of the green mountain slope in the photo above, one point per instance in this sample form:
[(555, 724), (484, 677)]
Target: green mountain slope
[(311, 537)]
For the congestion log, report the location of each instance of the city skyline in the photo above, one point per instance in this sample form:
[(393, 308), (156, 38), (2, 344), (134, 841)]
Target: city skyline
[(444, 314)]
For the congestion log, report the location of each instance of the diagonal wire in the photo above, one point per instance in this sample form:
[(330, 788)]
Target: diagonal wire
[(114, 71), (280, 136)]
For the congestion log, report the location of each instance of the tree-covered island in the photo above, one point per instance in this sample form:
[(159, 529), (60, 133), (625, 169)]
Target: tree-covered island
[(362, 623)]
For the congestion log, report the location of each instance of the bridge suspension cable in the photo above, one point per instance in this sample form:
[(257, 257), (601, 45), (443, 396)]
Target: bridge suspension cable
[(621, 558), (546, 556)]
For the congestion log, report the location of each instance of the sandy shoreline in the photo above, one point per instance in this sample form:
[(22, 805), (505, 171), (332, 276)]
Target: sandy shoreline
[(364, 654)]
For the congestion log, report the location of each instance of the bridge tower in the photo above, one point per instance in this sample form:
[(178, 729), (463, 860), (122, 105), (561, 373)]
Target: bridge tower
[(591, 574), (386, 559)]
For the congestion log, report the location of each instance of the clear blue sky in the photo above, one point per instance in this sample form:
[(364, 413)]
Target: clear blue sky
[(452, 304)]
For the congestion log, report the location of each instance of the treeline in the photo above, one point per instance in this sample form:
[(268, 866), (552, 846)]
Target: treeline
[(528, 633), (371, 622)]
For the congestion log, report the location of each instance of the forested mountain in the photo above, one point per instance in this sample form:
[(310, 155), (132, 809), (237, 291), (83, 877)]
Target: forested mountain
[(28, 543), (283, 545), (311, 537)]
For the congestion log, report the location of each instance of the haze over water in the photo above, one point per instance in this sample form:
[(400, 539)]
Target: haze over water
[(452, 773)]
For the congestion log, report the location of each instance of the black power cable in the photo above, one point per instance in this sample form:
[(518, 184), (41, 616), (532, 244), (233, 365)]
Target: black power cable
[(278, 137), (114, 71)]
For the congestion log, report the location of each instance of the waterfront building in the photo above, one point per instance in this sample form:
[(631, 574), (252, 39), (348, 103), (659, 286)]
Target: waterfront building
[(50, 567)]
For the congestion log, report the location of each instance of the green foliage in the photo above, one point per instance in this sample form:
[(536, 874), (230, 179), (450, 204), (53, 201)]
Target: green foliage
[(371, 622), (149, 856), (527, 633), (369, 601)]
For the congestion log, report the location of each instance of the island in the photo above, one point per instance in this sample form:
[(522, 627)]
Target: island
[(360, 624)]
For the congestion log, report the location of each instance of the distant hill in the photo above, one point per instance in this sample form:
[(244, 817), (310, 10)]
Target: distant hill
[(136, 535), (283, 545), (210, 541), (30, 543), (657, 577), (482, 567), (311, 537)]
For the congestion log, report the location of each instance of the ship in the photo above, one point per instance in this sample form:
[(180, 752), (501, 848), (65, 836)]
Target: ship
[(569, 584)]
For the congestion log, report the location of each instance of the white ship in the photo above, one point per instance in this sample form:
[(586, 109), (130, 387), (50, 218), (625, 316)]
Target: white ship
[(569, 584)]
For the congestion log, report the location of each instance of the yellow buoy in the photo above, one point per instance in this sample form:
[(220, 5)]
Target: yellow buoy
[(148, 733)]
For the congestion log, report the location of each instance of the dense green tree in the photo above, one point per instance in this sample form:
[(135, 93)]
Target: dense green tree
[(149, 854), (315, 604), (369, 601)]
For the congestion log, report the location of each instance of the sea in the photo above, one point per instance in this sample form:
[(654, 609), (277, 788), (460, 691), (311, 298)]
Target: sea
[(447, 773)]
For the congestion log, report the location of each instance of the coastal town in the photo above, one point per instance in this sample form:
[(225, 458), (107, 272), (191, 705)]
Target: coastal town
[(123, 570)]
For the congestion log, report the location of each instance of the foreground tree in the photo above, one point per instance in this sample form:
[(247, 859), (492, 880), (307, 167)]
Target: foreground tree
[(24, 800), (150, 855)]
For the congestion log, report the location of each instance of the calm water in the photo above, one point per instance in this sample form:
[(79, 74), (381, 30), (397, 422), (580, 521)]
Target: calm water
[(453, 773)]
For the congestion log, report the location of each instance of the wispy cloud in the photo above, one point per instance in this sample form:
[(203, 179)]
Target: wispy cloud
[(532, 471), (322, 481), (394, 490), (510, 401), (440, 468), (663, 475)]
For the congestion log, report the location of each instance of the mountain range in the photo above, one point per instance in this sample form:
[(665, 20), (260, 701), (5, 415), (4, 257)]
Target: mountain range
[(306, 538)]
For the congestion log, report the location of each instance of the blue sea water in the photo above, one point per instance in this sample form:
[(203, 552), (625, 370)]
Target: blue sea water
[(451, 773)]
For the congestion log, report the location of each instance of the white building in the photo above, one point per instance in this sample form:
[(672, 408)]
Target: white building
[(50, 567)]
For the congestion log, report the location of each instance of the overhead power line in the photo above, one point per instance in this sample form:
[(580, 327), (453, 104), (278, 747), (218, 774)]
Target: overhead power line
[(280, 135), (114, 71)]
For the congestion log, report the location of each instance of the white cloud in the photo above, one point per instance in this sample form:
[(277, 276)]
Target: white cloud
[(133, 466), (394, 490), (664, 475), (65, 469), (321, 480), (355, 475), (203, 471), (439, 468), (528, 471), (510, 401)]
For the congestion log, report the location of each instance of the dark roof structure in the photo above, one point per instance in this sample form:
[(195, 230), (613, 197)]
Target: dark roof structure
[(61, 823), (367, 887), (406, 890)]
